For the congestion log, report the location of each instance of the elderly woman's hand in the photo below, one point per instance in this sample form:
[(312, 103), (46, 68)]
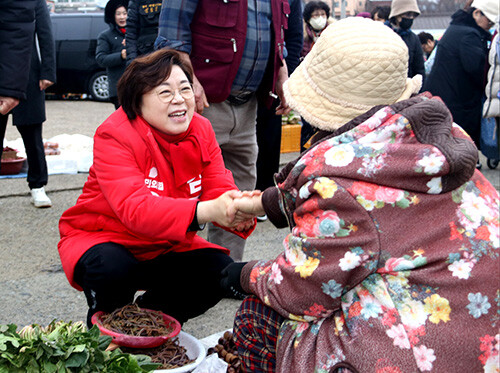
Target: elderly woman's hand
[(249, 203)]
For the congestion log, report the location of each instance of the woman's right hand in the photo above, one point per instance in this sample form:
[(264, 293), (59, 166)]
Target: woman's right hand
[(222, 211)]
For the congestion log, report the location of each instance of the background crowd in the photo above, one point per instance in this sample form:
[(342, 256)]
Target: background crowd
[(134, 28)]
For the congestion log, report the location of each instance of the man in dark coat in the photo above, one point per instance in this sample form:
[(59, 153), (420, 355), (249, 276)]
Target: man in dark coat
[(16, 38), (142, 27), (458, 74), (29, 115)]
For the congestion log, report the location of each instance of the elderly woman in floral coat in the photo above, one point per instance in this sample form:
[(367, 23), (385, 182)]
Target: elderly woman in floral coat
[(392, 262)]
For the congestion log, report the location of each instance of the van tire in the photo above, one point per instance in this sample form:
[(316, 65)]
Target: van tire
[(98, 86)]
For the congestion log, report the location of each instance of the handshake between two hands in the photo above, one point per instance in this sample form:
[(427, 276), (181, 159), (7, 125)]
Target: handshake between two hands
[(234, 209)]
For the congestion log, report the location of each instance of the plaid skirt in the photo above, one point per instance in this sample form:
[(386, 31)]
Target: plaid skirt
[(256, 328), (255, 332)]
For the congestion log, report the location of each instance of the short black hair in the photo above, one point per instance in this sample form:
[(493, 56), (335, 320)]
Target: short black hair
[(425, 37), (110, 9), (312, 6), (382, 12)]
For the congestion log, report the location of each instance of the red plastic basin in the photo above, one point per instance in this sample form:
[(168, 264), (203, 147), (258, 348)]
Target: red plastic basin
[(138, 342), (12, 166)]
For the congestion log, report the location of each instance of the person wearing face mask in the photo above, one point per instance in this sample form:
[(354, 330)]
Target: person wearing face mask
[(403, 12), (316, 16), (459, 72)]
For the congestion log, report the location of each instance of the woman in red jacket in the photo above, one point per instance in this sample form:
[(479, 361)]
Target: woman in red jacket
[(157, 178)]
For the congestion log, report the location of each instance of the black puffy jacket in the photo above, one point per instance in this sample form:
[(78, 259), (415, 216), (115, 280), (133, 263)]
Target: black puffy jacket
[(17, 30), (142, 27)]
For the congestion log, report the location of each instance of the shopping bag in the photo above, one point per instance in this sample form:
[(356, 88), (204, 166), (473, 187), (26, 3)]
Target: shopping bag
[(489, 138)]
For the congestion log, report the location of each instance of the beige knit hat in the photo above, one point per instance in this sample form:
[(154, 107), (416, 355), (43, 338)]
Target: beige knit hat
[(356, 64), (399, 7), (490, 8)]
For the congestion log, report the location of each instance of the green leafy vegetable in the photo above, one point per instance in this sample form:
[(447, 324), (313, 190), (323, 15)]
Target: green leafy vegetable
[(64, 347)]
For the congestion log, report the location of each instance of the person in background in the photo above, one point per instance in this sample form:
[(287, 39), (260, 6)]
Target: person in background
[(142, 27), (29, 115), (381, 13), (17, 30), (403, 12), (236, 50), (51, 6), (156, 179), (429, 46), (316, 16), (491, 107), (111, 52), (458, 73), (364, 15), (316, 19), (391, 263), (268, 123)]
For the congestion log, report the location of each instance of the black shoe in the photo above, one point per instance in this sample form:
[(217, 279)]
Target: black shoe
[(230, 281), (233, 293)]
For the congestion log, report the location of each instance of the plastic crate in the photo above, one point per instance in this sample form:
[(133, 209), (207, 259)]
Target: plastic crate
[(290, 138)]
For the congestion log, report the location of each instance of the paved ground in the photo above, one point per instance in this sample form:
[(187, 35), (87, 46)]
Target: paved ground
[(33, 288)]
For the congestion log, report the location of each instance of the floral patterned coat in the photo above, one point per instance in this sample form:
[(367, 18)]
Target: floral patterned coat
[(392, 263)]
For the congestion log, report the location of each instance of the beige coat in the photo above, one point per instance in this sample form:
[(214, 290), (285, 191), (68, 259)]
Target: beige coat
[(491, 107)]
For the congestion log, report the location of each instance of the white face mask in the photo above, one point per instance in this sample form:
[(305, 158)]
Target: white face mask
[(318, 23)]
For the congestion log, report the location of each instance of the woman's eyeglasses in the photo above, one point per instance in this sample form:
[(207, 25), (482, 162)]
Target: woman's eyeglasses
[(167, 95)]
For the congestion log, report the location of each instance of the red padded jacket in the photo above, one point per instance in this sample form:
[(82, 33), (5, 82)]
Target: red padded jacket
[(130, 195)]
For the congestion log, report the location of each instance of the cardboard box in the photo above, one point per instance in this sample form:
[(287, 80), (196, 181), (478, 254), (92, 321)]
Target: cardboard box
[(290, 138)]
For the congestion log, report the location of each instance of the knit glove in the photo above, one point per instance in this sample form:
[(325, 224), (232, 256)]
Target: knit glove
[(230, 281)]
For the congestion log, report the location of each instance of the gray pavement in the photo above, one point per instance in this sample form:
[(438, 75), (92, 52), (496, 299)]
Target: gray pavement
[(33, 288)]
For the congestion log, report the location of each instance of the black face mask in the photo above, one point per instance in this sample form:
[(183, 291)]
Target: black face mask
[(405, 23)]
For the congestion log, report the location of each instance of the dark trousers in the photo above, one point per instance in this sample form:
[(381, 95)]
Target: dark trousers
[(33, 143), (306, 132), (182, 285), (269, 142)]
